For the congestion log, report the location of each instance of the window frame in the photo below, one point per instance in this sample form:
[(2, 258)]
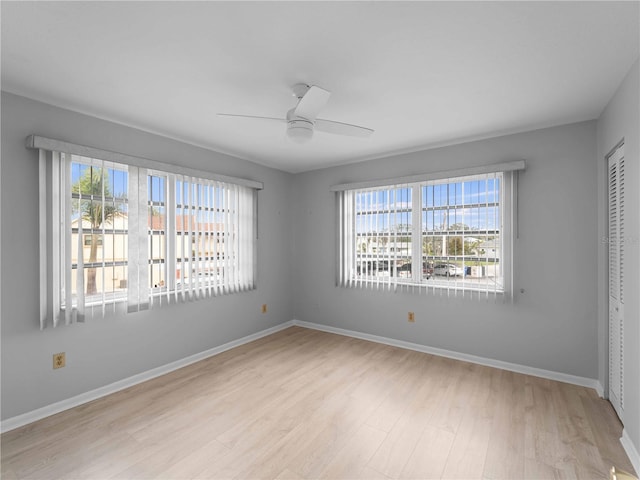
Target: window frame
[(56, 197), (347, 253)]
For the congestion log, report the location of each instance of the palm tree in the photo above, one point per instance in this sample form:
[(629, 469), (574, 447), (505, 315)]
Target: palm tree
[(94, 186)]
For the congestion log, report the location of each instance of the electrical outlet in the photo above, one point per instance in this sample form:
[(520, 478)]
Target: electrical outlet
[(59, 360), (264, 308), (411, 317)]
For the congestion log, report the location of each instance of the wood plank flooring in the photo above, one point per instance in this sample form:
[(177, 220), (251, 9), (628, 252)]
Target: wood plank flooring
[(306, 404)]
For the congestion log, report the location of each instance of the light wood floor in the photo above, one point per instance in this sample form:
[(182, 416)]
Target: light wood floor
[(306, 404)]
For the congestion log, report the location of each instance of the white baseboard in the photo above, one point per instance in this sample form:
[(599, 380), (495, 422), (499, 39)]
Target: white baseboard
[(599, 389), (489, 362), (25, 418), (632, 451)]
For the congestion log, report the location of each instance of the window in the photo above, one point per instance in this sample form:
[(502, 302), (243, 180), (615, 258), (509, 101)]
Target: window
[(449, 235), (95, 208), (88, 240), (124, 237)]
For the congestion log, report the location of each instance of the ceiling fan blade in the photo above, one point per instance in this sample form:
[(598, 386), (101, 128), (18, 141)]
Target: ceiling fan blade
[(329, 126), (312, 102), (233, 115)]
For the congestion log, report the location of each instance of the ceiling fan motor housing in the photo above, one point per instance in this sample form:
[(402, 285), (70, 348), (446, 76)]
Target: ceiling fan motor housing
[(299, 129)]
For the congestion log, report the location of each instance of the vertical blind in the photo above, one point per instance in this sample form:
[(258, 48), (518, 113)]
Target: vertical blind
[(444, 236), (118, 237)]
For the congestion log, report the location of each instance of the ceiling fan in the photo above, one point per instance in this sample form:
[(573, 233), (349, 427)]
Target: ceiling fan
[(302, 119)]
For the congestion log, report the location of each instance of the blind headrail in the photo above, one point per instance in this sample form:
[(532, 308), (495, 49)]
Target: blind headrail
[(50, 144), (423, 177)]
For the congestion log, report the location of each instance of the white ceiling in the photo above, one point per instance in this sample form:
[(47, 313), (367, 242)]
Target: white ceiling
[(420, 74)]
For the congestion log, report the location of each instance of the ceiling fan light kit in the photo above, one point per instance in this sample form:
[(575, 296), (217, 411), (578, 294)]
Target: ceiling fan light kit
[(301, 120), (299, 130)]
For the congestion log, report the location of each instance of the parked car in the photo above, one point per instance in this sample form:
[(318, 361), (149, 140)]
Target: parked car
[(404, 268), (448, 270), (427, 271), (370, 267)]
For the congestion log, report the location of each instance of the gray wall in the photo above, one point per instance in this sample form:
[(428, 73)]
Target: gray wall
[(621, 119), (552, 325), (104, 351)]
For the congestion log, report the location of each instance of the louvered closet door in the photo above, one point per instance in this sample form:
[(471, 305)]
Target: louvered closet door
[(616, 279)]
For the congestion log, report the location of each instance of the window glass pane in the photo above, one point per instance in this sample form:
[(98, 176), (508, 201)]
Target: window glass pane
[(109, 280), (157, 275), (459, 227), (99, 209), (461, 234)]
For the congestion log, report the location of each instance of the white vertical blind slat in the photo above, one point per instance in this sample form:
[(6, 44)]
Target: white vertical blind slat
[(58, 271), (344, 238), (112, 306), (243, 254), (138, 262), (183, 240), (342, 229), (248, 227), (170, 236), (463, 220), (227, 240), (378, 227), (42, 237), (217, 238), (66, 226), (416, 239), (445, 238), (499, 214), (215, 208), (189, 243), (78, 311), (347, 251), (369, 257), (58, 212), (229, 251), (102, 223), (179, 242), (513, 230), (234, 222), (133, 297), (339, 237), (197, 249), (365, 240), (358, 230), (486, 237), (238, 222), (389, 264), (504, 216), (142, 238), (206, 220), (213, 240), (234, 239), (352, 265)]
